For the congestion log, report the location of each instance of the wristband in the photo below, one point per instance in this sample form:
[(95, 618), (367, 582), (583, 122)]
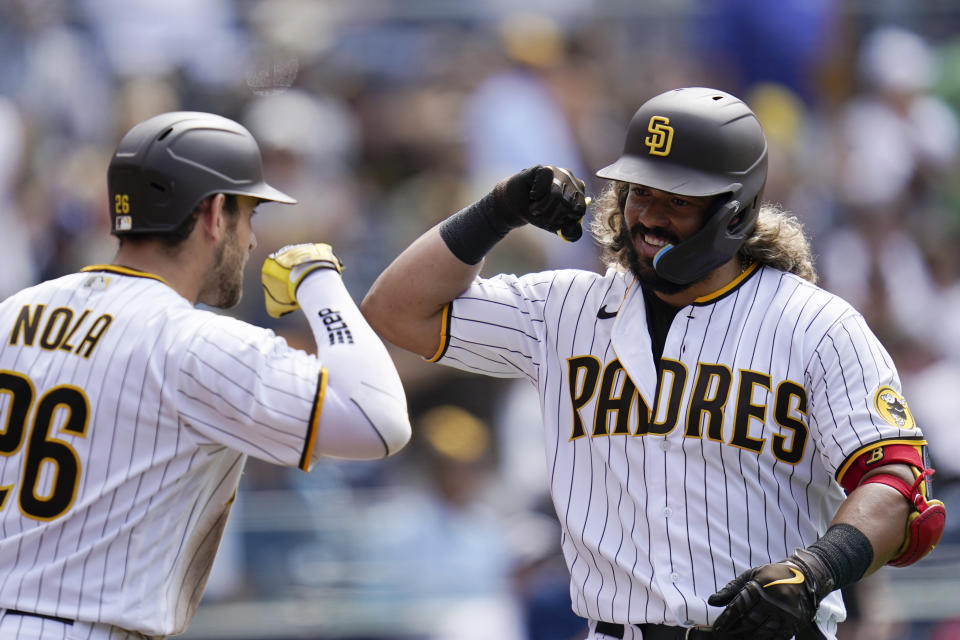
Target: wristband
[(846, 552), (474, 230)]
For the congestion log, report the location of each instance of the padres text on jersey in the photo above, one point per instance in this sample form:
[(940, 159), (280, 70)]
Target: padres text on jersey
[(653, 469)]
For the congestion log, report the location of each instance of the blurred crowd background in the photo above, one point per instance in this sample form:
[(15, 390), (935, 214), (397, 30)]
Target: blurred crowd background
[(383, 117)]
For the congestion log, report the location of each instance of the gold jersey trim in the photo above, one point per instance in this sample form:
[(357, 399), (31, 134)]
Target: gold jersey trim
[(445, 317), (126, 271), (313, 425), (733, 284)]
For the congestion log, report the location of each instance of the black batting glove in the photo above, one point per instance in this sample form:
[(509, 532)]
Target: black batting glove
[(547, 197), (774, 601), (544, 196)]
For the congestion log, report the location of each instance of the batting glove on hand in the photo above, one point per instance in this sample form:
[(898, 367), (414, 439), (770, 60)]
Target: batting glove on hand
[(548, 197), (285, 269), (774, 601)]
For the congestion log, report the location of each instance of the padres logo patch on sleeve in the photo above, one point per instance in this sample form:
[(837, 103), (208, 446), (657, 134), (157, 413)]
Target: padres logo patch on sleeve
[(893, 408)]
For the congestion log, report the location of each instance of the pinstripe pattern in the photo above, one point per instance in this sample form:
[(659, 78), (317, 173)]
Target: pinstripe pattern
[(33, 628), (177, 397), (656, 514)]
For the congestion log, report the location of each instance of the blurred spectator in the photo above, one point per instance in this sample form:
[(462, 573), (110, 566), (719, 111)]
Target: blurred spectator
[(159, 38), (898, 137), (789, 43), (514, 119), (142, 97), (449, 548), (20, 269), (66, 86), (798, 176), (895, 141), (310, 142)]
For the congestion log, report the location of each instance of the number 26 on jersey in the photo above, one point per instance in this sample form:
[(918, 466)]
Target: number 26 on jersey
[(29, 423)]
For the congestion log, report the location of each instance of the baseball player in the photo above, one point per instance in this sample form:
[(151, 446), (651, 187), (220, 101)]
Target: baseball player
[(128, 413), (727, 444)]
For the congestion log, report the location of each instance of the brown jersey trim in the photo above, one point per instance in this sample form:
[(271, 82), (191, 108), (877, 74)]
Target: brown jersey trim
[(726, 290), (447, 314), (913, 442), (312, 427), (125, 271)]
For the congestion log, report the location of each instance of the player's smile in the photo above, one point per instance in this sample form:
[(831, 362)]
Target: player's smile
[(657, 218), (649, 241)]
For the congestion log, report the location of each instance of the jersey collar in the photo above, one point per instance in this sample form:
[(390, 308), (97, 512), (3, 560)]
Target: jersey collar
[(125, 271), (728, 288)]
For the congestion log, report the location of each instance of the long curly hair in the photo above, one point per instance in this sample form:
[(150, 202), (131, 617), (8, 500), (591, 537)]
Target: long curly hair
[(777, 240)]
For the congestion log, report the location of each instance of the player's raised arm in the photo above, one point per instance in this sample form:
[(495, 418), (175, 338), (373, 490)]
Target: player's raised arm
[(406, 303), (364, 409)]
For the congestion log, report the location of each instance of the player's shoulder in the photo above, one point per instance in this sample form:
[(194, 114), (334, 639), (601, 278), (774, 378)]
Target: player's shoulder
[(44, 293), (565, 280), (812, 289), (793, 295), (220, 326), (131, 298), (559, 286)]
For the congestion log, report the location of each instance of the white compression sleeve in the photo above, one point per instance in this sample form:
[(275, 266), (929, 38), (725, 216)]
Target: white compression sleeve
[(364, 411)]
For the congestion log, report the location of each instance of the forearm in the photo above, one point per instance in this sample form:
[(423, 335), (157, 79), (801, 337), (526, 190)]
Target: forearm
[(364, 411), (405, 304), (880, 513), (776, 600)]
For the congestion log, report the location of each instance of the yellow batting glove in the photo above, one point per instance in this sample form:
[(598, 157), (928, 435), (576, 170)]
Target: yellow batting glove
[(285, 269)]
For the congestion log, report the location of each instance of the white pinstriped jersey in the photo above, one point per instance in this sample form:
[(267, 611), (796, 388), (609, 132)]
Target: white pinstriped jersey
[(666, 491), (126, 416)]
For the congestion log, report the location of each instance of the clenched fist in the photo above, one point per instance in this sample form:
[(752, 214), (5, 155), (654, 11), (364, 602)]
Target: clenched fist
[(285, 269), (551, 198)]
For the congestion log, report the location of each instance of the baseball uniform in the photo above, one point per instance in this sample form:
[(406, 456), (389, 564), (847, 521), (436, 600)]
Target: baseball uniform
[(670, 478), (127, 418)]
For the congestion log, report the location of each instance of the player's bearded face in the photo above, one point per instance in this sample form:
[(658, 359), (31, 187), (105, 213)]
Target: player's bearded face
[(225, 285), (652, 219), (643, 267), (233, 261)]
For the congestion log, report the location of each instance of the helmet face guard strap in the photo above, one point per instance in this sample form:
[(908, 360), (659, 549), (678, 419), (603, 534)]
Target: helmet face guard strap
[(698, 142), (707, 249)]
